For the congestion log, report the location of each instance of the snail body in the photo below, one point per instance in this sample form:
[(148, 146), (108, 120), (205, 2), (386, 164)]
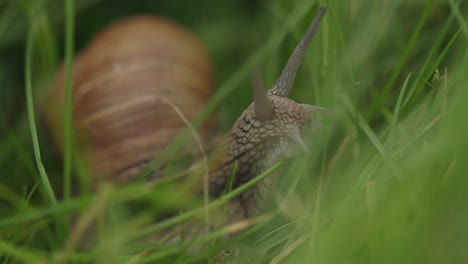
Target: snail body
[(127, 82)]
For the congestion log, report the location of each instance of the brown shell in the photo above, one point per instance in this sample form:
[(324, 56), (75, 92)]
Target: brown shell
[(122, 82)]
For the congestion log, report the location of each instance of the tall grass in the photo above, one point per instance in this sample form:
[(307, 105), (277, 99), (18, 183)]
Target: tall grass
[(385, 181)]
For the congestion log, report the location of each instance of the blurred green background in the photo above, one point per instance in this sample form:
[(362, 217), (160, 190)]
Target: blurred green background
[(386, 182)]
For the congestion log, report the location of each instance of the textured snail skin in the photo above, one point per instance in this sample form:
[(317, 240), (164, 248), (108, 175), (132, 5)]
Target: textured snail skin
[(257, 145)]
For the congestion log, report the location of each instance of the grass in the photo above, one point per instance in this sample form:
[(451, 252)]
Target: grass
[(68, 138), (31, 118), (386, 180)]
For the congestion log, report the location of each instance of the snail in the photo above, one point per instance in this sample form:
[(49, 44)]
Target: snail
[(127, 82)]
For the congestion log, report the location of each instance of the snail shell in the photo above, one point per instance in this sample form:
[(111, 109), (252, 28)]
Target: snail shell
[(122, 84)]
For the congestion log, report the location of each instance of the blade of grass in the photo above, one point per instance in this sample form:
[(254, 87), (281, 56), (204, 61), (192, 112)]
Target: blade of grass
[(84, 223), (36, 213), (397, 111), (129, 192), (428, 70), (9, 196), (377, 103), (461, 20), (215, 203), (28, 256), (31, 118), (67, 154), (173, 249)]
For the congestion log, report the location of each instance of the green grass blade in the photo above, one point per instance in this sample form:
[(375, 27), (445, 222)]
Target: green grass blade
[(403, 60), (31, 117), (36, 213), (461, 20), (215, 203), (27, 256), (67, 170)]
